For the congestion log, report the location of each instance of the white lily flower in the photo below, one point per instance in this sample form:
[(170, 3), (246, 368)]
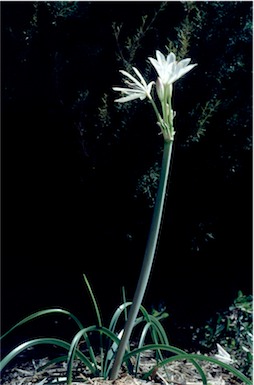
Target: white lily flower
[(223, 356), (137, 89), (168, 69)]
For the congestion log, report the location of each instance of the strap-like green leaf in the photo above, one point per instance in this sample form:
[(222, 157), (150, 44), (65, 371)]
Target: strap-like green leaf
[(200, 357), (40, 314), (40, 341), (167, 348)]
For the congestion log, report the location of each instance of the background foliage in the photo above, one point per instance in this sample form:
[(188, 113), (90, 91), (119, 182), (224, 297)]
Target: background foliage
[(79, 172), (233, 330)]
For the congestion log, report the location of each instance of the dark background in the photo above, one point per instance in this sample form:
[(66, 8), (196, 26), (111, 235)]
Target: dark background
[(70, 197)]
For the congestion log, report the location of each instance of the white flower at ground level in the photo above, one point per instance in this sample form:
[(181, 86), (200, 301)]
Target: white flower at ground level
[(223, 356), (137, 89), (168, 69)]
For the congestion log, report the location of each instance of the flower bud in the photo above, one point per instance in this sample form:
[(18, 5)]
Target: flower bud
[(170, 90), (160, 89)]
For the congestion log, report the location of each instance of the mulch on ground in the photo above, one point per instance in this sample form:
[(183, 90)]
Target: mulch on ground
[(177, 372)]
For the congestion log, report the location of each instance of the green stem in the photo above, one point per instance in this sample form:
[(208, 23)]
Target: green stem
[(148, 260)]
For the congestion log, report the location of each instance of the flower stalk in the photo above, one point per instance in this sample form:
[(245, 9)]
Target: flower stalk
[(150, 251), (169, 70)]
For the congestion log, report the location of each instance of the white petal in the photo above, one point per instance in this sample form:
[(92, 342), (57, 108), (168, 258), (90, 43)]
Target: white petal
[(171, 75), (156, 65), (127, 90), (183, 63), (130, 77), (223, 355), (171, 58), (183, 71), (140, 76), (171, 68), (222, 351), (226, 360), (160, 57), (128, 98)]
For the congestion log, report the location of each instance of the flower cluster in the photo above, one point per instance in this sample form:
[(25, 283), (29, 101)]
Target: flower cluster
[(168, 70), (137, 89)]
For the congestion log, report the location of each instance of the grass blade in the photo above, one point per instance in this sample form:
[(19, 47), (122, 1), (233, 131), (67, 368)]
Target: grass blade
[(200, 357), (166, 348), (157, 334), (75, 341), (122, 308), (40, 314), (112, 326), (160, 329), (117, 315), (98, 315), (54, 311), (40, 341), (146, 317), (141, 343), (96, 307), (72, 352), (124, 301)]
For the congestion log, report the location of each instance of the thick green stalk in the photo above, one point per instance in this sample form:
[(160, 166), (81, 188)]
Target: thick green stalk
[(148, 259)]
